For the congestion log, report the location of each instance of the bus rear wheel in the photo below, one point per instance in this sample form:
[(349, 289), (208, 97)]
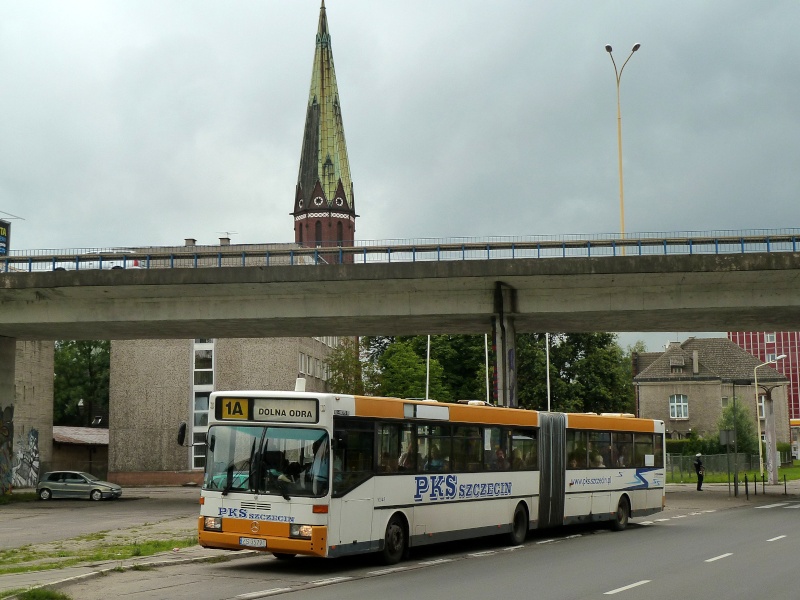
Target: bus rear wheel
[(620, 519), (394, 542), (519, 525)]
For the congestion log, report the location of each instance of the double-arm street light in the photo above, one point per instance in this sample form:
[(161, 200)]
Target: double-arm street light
[(618, 74), (758, 416)]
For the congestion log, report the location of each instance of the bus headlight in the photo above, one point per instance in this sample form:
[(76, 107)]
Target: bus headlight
[(300, 531), (212, 523)]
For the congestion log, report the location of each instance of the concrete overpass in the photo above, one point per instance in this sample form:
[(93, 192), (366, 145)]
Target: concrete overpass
[(716, 292), (642, 293)]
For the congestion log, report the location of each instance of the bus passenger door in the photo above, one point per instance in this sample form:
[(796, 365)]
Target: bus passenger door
[(355, 522)]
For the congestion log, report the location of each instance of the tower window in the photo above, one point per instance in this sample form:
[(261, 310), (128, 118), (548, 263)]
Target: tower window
[(339, 233), (318, 237)]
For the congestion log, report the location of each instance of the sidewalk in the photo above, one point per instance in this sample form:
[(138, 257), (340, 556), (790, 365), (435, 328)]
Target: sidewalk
[(680, 496)]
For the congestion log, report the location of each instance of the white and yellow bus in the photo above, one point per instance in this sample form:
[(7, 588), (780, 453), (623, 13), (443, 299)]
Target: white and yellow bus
[(331, 475), (794, 429)]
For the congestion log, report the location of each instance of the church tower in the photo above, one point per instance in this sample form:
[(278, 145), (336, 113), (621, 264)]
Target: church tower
[(324, 206)]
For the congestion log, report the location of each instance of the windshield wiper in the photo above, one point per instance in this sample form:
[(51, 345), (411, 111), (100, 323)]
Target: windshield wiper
[(228, 480)]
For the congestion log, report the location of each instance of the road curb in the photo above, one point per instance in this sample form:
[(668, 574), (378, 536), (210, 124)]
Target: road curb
[(60, 583)]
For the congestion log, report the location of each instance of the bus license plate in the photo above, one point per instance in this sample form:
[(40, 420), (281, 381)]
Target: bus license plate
[(252, 542)]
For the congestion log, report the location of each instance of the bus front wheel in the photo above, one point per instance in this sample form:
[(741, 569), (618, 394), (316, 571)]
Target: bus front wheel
[(620, 519), (394, 543), (519, 526)]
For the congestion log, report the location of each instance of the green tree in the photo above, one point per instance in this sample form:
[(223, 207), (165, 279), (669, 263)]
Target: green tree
[(589, 372), (403, 374), (462, 358), (345, 369), (746, 437), (81, 373)]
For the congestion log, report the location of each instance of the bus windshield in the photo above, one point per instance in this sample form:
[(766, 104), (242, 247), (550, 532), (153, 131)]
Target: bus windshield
[(287, 461)]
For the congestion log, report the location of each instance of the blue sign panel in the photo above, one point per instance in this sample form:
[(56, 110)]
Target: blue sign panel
[(5, 237)]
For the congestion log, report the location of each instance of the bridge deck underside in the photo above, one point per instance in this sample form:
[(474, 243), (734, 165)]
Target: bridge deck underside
[(685, 293)]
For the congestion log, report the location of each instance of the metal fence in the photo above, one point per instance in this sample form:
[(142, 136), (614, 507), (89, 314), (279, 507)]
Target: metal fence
[(681, 468), (410, 250)]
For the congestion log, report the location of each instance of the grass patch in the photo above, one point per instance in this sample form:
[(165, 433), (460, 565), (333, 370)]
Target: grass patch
[(28, 559), (40, 594)]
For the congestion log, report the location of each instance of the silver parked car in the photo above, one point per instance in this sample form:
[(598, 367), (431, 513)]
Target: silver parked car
[(75, 484)]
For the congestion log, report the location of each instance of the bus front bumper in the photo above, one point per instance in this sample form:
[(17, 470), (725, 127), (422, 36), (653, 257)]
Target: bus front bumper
[(237, 535)]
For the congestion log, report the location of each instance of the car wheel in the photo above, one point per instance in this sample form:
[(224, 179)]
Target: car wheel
[(620, 519), (519, 525), (96, 495), (394, 542), (45, 494)]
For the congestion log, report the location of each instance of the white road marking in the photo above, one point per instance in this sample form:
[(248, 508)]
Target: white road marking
[(627, 587), (792, 506), (484, 553), (546, 542), (780, 537), (679, 517), (712, 510), (438, 561), (773, 505), (262, 594), (661, 520), (330, 580), (726, 555), (384, 571), (512, 548), (645, 523)]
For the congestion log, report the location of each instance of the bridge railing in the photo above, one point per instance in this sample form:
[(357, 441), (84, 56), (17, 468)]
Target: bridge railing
[(386, 251)]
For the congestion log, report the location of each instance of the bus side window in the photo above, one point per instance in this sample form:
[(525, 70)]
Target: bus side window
[(659, 450), (576, 449), (523, 449), (467, 449), (355, 454), (642, 446), (622, 446), (408, 459), (388, 447)]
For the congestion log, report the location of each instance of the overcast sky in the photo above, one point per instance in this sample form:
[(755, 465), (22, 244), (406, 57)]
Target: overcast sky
[(137, 122)]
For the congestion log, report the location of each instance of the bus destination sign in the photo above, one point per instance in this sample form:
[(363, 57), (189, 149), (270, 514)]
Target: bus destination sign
[(284, 410)]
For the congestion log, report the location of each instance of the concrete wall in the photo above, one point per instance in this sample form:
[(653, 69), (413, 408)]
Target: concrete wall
[(265, 363), (26, 406), (705, 405), (150, 395)]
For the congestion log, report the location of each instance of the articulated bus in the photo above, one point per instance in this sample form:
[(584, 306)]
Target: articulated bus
[(794, 428), (330, 474)]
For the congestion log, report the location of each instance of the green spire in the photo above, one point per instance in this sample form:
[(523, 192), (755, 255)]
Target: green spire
[(324, 155)]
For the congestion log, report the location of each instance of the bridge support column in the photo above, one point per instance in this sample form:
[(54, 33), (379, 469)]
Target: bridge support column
[(504, 333), (8, 354)]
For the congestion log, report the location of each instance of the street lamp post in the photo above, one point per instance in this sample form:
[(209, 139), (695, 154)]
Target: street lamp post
[(758, 417), (618, 74)]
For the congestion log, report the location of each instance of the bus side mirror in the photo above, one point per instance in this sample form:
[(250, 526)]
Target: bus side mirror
[(181, 434)]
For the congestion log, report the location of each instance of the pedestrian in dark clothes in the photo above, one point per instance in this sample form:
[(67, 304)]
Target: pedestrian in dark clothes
[(700, 470)]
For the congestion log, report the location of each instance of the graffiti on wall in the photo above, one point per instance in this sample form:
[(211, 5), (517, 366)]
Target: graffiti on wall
[(25, 472), (20, 468), (6, 448)]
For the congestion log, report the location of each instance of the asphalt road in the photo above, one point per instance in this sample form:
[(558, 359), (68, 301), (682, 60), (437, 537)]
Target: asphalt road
[(40, 522), (704, 545)]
